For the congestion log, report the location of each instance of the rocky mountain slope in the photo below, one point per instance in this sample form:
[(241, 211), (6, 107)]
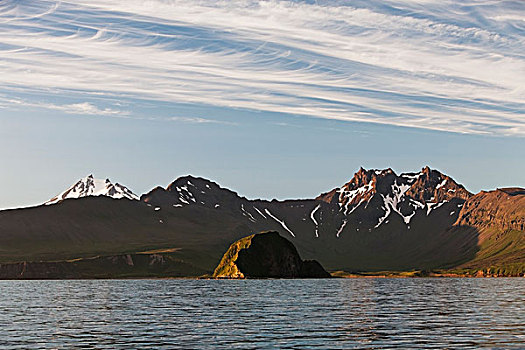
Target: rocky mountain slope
[(389, 193), (503, 209), (372, 198), (378, 220), (499, 218)]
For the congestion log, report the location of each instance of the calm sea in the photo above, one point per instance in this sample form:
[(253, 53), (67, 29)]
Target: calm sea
[(244, 314)]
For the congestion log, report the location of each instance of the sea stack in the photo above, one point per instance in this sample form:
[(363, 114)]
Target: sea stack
[(266, 255)]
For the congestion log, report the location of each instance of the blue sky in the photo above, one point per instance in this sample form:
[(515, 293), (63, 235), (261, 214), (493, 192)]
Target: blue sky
[(274, 99)]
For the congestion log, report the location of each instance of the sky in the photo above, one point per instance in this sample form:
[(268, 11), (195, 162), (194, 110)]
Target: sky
[(272, 99)]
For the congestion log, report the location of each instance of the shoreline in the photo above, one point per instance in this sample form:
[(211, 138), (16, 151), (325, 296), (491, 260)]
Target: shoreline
[(348, 276)]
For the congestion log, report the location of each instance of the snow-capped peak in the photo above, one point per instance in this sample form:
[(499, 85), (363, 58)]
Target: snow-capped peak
[(389, 193), (89, 186)]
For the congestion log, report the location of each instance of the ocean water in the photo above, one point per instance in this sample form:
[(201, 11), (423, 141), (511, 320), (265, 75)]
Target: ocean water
[(290, 314)]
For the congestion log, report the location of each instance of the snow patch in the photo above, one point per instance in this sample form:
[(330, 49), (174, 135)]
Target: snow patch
[(315, 221), (417, 204), (350, 195), (357, 206), (433, 206), (260, 213), (441, 184), (185, 195), (247, 214), (343, 224), (411, 178), (283, 224), (391, 202)]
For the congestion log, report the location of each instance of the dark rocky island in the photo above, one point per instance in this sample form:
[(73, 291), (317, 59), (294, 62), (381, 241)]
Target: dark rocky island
[(266, 255)]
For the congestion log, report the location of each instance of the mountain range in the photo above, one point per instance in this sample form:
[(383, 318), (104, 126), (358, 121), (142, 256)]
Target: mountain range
[(377, 221)]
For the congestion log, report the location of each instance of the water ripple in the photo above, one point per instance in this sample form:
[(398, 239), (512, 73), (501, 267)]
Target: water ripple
[(249, 314)]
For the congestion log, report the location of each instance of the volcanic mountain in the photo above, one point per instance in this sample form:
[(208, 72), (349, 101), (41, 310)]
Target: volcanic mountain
[(378, 220), (89, 186)]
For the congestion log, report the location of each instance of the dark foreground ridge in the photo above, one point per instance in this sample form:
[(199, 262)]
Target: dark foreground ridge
[(266, 255), (115, 266)]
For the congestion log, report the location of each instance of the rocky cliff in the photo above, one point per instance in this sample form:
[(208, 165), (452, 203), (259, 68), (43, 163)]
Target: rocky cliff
[(503, 209)]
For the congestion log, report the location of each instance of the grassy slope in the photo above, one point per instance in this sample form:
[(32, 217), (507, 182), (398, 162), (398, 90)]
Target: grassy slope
[(501, 253)]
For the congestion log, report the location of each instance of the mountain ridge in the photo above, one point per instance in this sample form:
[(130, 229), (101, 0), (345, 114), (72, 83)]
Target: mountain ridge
[(377, 221)]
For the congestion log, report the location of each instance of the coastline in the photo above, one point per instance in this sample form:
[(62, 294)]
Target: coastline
[(167, 265)]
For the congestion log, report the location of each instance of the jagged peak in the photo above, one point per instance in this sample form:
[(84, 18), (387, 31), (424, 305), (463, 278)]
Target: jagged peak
[(434, 186), (371, 172), (363, 181), (404, 194), (364, 177)]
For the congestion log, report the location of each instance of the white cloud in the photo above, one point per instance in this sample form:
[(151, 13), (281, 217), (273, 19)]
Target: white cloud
[(198, 120), (441, 65), (84, 108), (81, 108)]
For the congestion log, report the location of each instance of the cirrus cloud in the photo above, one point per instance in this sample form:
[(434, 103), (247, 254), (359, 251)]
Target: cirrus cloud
[(438, 65)]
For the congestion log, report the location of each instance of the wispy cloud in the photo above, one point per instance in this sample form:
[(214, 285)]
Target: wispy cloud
[(85, 108), (198, 120), (81, 108), (440, 65)]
